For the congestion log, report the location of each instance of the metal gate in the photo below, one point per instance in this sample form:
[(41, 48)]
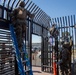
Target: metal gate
[(6, 53), (67, 24), (38, 26)]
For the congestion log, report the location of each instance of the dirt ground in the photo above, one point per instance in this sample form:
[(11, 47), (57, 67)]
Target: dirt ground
[(37, 71)]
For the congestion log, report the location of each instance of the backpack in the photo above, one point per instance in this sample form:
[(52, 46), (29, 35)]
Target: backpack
[(21, 13)]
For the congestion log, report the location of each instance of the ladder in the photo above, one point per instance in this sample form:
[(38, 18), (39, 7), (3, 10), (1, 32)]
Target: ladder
[(21, 63)]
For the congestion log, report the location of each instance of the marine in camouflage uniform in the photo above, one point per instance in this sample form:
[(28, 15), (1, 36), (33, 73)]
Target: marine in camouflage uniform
[(65, 57), (64, 61), (54, 31), (19, 16)]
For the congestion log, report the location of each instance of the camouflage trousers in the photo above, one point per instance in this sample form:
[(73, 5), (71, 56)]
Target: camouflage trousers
[(20, 30), (64, 69)]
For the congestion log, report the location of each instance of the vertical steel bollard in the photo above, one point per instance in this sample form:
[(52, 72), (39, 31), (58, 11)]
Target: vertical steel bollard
[(54, 64)]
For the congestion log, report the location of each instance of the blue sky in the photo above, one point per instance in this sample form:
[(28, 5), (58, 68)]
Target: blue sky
[(36, 39), (56, 8)]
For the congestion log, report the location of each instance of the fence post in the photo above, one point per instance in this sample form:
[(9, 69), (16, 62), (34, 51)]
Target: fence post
[(54, 64)]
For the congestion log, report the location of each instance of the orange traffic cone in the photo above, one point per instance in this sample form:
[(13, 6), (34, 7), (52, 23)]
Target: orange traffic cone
[(54, 66)]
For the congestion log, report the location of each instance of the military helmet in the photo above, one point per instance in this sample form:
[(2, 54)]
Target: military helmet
[(22, 4), (66, 42)]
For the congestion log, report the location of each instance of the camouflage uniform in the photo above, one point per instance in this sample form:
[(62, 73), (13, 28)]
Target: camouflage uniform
[(64, 66), (65, 57), (54, 31), (19, 17)]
